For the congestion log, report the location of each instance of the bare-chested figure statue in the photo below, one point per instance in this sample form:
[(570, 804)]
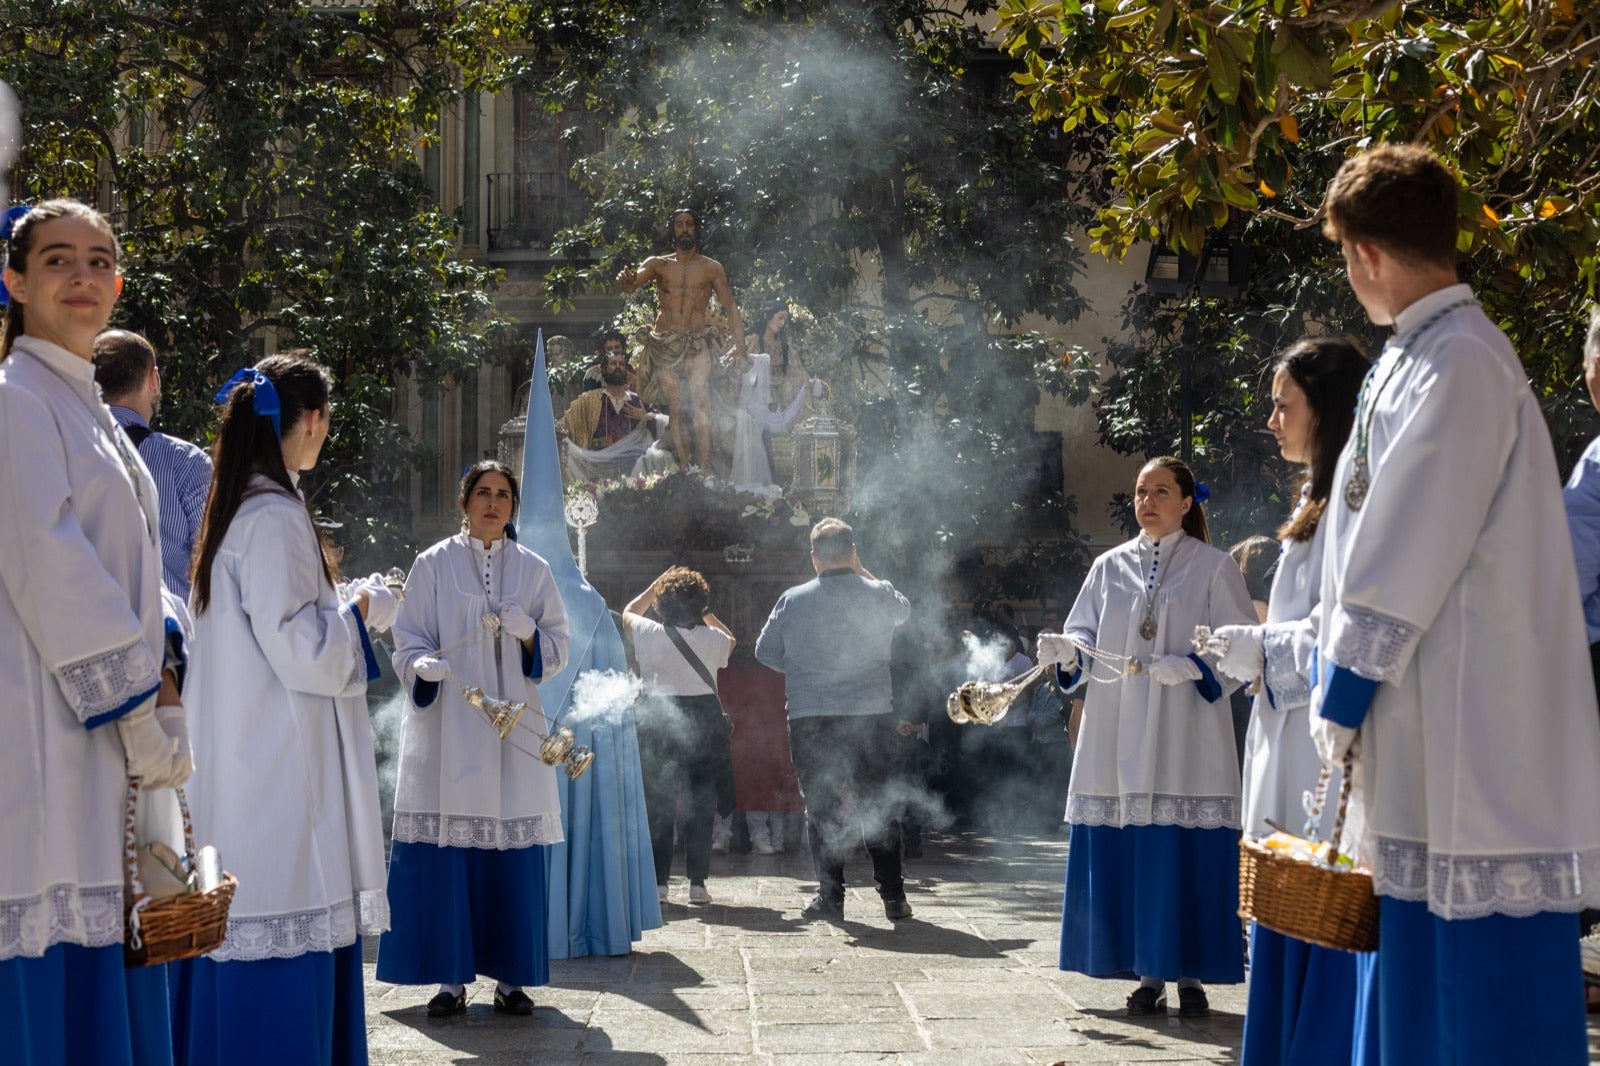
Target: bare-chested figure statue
[(675, 365)]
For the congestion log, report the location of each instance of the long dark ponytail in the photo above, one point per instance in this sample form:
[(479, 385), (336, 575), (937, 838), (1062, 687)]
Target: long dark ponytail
[(247, 444), (1329, 370), (19, 244)]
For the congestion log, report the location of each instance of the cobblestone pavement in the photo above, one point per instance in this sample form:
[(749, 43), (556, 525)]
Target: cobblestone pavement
[(971, 979)]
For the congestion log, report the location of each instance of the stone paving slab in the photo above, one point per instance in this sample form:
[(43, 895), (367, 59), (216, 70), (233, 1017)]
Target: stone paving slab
[(970, 980)]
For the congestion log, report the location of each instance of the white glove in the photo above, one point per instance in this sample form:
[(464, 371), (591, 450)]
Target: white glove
[(174, 722), (514, 620), (1333, 740), (431, 668), (1246, 656), (382, 603), (1056, 648), (152, 755), (1173, 670)]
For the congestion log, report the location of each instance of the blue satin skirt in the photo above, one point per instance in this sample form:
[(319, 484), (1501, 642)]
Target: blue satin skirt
[(309, 1010), (1483, 992), (77, 1006), (1302, 1003), (457, 913), (1153, 901)]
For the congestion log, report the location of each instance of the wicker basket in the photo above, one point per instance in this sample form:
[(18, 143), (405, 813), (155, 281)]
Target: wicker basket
[(175, 927), (1330, 906)]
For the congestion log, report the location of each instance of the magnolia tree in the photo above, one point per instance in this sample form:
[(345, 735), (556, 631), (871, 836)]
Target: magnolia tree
[(1236, 114), (259, 158)]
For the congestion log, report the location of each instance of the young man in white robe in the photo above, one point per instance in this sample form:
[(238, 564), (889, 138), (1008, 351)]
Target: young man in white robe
[(1452, 660)]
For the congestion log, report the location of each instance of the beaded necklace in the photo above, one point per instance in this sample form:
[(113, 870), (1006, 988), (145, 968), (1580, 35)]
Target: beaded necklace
[(1355, 489)]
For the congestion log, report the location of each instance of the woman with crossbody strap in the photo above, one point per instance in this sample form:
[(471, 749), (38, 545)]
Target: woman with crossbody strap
[(683, 734)]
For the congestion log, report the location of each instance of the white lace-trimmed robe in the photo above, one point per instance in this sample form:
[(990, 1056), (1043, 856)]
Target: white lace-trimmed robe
[(459, 784), (81, 644), (1280, 761), (286, 782), (1150, 754), (1454, 587)]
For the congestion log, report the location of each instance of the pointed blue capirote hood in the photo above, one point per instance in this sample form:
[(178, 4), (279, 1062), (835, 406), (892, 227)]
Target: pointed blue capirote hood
[(542, 528), (601, 879)]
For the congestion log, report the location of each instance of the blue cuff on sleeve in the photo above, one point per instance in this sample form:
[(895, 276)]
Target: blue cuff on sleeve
[(1348, 698), (1271, 700), (423, 693), (533, 661), (1065, 681), (179, 650), (124, 708), (366, 643), (1208, 685)]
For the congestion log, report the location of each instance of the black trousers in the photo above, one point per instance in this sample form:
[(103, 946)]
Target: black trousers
[(850, 759), (683, 750)]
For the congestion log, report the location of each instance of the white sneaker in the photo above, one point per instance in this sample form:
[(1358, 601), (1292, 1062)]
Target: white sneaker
[(763, 846), (719, 844), (661, 893), (698, 894)]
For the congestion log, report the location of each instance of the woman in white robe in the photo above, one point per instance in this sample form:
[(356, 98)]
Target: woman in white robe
[(473, 816), (287, 786), (82, 649), (1152, 880), (1302, 997)]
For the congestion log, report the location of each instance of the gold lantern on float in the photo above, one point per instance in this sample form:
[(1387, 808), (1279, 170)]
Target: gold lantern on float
[(824, 458)]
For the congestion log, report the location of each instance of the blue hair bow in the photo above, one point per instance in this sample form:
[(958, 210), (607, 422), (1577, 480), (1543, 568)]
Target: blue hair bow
[(8, 223), (264, 400), (1201, 493)]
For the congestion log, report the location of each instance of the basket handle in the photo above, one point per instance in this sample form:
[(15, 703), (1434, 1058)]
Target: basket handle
[(1314, 815), (130, 856)]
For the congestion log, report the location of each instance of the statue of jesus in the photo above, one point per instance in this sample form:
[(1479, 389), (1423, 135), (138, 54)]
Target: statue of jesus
[(675, 364)]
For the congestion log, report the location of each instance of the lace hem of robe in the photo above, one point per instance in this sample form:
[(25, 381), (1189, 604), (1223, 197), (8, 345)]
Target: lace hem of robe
[(61, 914), (1462, 887), (1188, 812), (467, 831), (102, 683), (286, 936), (1372, 645)]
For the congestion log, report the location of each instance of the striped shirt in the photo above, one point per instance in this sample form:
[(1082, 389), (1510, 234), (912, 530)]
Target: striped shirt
[(182, 473)]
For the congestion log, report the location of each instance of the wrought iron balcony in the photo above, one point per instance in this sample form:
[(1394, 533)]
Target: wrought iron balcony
[(526, 210)]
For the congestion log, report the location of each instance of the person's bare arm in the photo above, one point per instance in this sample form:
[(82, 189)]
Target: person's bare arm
[(631, 279), (716, 623), (719, 284), (640, 604)]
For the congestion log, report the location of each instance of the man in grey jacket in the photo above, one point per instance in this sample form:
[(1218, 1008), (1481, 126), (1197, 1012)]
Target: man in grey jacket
[(830, 639)]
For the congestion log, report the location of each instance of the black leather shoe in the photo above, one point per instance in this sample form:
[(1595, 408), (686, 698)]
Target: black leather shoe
[(895, 909), (1144, 1000), (515, 1002), (1192, 1003), (446, 1004), (824, 909)]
